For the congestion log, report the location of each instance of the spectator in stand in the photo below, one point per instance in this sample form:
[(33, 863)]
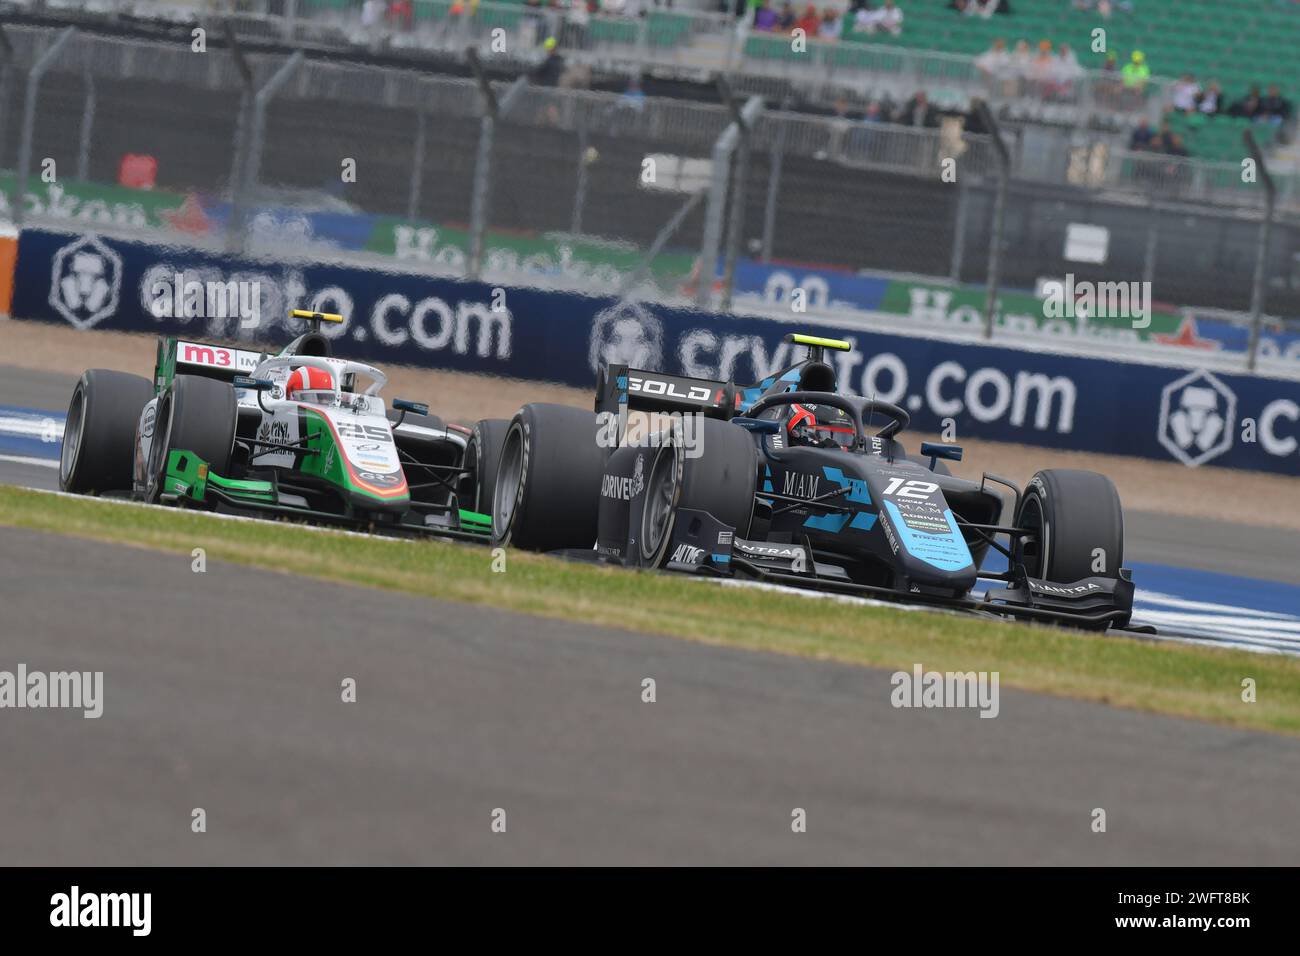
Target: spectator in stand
[(1065, 72), (1141, 137), (875, 114), (1136, 73), (891, 18), (918, 112), (1041, 68), (1111, 64), (1247, 106), (1274, 108), (576, 22), (1021, 59), (1184, 94), (980, 8), (765, 17), (1174, 146), (832, 25), (401, 14), (809, 22), (372, 11), (865, 19), (1210, 99), (994, 62), (785, 21)]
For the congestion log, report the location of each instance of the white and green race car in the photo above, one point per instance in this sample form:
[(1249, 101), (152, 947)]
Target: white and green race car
[(299, 433)]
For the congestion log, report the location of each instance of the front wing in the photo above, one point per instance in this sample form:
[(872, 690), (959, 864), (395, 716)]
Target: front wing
[(190, 481)]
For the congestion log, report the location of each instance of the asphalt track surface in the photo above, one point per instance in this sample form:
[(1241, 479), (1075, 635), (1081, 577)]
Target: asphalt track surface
[(222, 691), (1253, 552)]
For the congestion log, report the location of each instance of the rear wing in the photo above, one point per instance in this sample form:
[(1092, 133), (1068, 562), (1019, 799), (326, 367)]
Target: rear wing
[(179, 356), (621, 389)]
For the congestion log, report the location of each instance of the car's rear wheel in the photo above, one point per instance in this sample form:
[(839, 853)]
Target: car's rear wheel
[(547, 494), (99, 434), (1075, 526), (197, 415)]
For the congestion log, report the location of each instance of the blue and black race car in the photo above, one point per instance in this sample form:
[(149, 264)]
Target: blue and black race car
[(791, 482)]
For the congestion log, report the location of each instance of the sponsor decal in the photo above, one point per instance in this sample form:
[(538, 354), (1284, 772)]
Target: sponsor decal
[(86, 282), (626, 334), (687, 554), (1039, 587), (1197, 413), (796, 484)]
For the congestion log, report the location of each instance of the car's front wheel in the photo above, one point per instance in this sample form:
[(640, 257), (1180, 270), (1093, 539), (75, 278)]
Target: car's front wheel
[(197, 415), (1074, 524), (99, 433)]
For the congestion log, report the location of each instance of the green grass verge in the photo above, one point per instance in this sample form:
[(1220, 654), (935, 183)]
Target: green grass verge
[(1190, 681)]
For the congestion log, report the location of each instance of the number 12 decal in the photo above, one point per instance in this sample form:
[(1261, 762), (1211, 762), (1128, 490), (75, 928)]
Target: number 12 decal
[(916, 490)]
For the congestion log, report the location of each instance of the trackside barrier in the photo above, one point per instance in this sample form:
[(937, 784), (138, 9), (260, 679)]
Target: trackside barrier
[(998, 392)]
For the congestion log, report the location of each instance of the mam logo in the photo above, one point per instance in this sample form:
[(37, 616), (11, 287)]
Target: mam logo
[(85, 282), (626, 334), (1196, 416)]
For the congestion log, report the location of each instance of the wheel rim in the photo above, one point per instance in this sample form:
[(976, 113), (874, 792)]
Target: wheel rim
[(657, 518), (158, 449), (72, 437), (1033, 547), (509, 477)]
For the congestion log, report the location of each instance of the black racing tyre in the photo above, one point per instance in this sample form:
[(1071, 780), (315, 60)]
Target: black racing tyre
[(99, 435), (1077, 526), (720, 481), (547, 494), (482, 456), (195, 414)]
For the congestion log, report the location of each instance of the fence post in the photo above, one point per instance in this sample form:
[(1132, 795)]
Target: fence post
[(723, 149), (776, 162), (6, 78), (256, 133), (999, 208), (417, 164), (29, 120), (1153, 240), (482, 189), (87, 127), (239, 159), (745, 119), (959, 230), (580, 192), (1261, 249)]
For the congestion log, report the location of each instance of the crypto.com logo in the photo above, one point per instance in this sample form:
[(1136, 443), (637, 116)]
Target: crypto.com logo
[(85, 282), (1197, 413)]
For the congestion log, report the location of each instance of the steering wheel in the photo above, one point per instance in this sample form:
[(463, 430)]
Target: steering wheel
[(899, 417)]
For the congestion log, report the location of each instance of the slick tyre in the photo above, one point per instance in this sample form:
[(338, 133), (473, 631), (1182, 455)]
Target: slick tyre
[(482, 456), (196, 415), (547, 494), (1076, 526), (720, 481), (99, 434)]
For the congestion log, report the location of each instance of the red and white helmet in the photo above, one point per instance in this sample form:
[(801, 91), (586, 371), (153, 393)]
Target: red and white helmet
[(307, 377)]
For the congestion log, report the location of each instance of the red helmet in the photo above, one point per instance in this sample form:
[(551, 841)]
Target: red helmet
[(307, 377)]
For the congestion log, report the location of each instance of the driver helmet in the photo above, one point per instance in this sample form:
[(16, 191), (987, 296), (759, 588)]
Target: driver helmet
[(821, 426), (308, 378)]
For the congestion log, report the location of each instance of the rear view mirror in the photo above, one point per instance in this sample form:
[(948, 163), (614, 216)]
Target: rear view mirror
[(936, 450), (415, 408), (256, 384)]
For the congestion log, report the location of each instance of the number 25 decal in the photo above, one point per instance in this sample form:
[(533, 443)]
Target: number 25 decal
[(917, 490)]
